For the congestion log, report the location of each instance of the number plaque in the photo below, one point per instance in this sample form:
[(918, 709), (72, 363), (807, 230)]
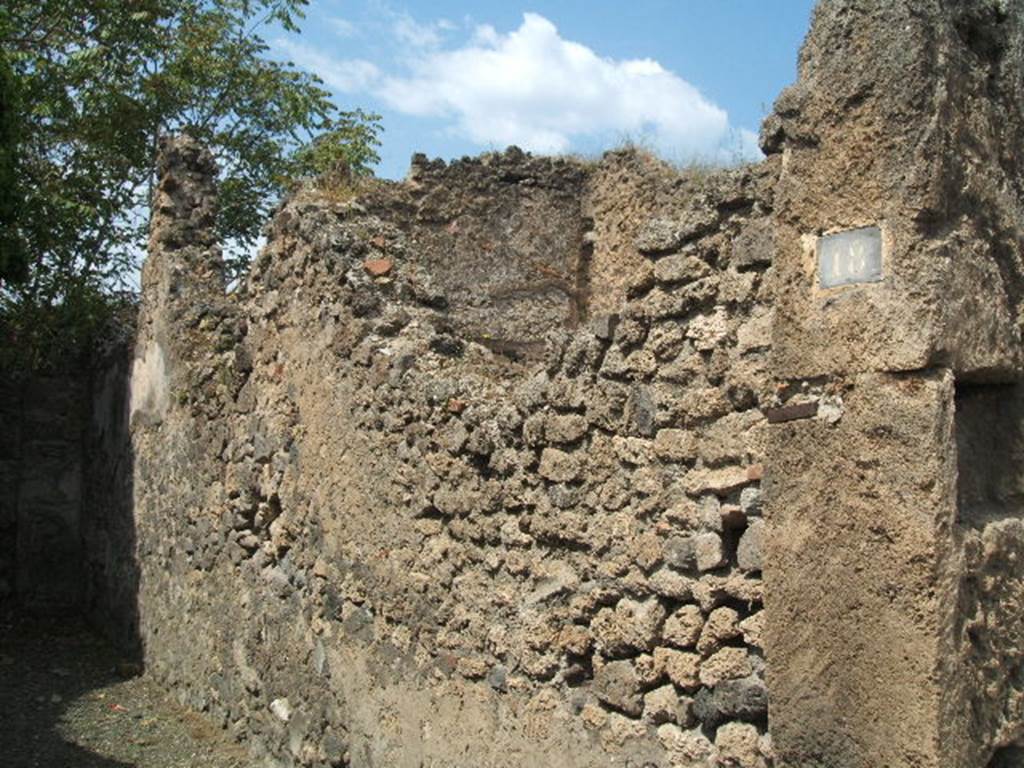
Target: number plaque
[(854, 256)]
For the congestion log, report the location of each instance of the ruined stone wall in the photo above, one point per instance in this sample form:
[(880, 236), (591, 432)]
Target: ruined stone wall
[(470, 472), (371, 537)]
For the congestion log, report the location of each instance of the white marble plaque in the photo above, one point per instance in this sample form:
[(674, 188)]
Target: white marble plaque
[(854, 256)]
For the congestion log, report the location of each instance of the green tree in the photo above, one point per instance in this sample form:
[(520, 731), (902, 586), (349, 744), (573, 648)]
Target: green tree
[(13, 264), (100, 81)]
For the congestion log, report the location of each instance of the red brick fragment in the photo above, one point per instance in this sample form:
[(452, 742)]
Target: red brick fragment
[(377, 267)]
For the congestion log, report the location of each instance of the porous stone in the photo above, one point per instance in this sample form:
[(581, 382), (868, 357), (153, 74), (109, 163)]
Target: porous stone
[(708, 330), (752, 628), (739, 746), (662, 705), (558, 466), (668, 583), (722, 625), (725, 664), (565, 428), (680, 667), (685, 748), (683, 628), (675, 444), (630, 626)]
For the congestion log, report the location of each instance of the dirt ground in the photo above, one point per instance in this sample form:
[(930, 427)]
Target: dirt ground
[(68, 700)]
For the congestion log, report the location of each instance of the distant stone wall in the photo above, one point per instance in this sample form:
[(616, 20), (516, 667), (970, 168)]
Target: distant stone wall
[(43, 421), (10, 472), (67, 540)]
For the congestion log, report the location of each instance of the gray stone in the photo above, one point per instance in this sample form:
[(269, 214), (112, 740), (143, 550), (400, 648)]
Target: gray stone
[(710, 512), (750, 500), (665, 235), (680, 268), (497, 678), (751, 546), (710, 553), (617, 685), (642, 410), (755, 244), (603, 326), (680, 552), (743, 699)]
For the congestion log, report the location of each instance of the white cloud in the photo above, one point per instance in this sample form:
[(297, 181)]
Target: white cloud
[(346, 75), (342, 27), (416, 35), (534, 88)]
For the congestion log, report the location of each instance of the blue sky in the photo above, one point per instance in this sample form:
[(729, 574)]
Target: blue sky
[(690, 79)]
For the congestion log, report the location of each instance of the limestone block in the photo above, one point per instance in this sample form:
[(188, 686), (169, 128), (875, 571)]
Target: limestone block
[(680, 268), (710, 552)]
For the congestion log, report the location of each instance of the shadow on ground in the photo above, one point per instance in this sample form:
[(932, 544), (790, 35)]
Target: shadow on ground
[(47, 666), (69, 700)]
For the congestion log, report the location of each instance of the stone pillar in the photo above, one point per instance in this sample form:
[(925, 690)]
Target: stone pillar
[(182, 278), (903, 128)]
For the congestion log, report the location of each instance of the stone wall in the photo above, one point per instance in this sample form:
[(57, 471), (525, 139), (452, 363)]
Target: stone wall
[(67, 540), (891, 567), (10, 470), (109, 598), (540, 461), (368, 535)]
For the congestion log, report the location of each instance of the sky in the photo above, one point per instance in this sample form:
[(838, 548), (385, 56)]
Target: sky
[(689, 79)]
